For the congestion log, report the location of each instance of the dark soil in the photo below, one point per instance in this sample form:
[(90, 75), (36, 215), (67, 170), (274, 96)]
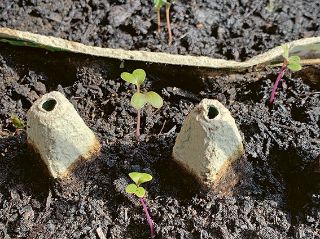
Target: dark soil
[(278, 198), (223, 28)]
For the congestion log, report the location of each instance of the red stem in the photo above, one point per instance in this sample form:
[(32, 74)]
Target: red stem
[(279, 77), (150, 222), (168, 23), (138, 125), (138, 119)]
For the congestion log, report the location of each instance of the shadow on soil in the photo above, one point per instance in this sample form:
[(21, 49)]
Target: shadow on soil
[(300, 179), (22, 171)]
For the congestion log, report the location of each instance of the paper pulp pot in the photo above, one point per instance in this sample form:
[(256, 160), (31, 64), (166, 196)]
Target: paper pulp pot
[(59, 135), (208, 143)]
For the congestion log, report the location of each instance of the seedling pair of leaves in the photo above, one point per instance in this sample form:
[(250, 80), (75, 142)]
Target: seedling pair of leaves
[(138, 179), (136, 189), (290, 62), (138, 100)]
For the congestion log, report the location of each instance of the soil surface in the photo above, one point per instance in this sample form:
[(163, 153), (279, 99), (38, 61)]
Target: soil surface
[(222, 29), (278, 198)]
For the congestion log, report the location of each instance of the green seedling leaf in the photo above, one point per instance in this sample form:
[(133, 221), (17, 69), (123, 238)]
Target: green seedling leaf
[(285, 53), (294, 66), (126, 76), (134, 189), (138, 100), (294, 63), (158, 3), (131, 188), (154, 99), (294, 59), (18, 123), (140, 192), (137, 77), (140, 178), (270, 6)]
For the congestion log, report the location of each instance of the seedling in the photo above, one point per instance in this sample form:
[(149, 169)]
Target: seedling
[(136, 189), (158, 4), (17, 122), (270, 6), (292, 63), (138, 100)]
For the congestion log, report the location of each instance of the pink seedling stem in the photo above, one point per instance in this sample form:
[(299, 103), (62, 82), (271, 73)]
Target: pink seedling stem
[(138, 125), (279, 77), (150, 222)]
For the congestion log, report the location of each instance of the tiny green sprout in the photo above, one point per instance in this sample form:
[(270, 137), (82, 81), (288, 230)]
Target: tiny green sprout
[(139, 100), (138, 179), (136, 189), (17, 123), (293, 62), (158, 4), (290, 62), (270, 6)]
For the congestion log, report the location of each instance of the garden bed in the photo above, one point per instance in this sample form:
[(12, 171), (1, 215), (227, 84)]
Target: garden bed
[(279, 196)]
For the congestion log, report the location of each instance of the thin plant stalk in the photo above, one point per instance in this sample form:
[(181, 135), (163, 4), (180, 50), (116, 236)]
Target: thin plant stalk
[(279, 77), (138, 119), (158, 20), (149, 220), (138, 125), (168, 5)]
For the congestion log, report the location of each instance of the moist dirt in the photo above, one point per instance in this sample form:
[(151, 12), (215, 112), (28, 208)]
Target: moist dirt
[(225, 29), (279, 196)]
